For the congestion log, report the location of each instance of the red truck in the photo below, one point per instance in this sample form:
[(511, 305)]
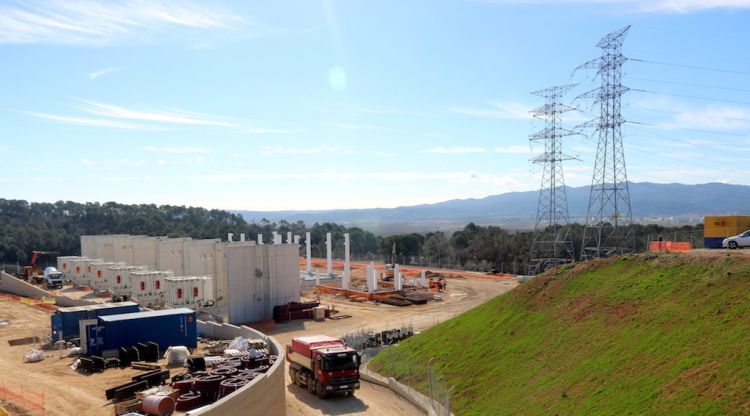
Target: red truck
[(324, 365)]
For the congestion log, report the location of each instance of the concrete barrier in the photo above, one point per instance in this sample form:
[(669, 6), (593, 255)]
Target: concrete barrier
[(266, 395), (16, 286)]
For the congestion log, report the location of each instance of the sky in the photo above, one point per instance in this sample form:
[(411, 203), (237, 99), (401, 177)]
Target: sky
[(301, 105)]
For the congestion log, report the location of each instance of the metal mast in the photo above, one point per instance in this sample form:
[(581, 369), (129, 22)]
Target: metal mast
[(552, 243), (609, 219)]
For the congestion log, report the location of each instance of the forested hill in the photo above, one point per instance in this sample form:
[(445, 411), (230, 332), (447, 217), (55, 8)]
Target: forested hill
[(58, 226)]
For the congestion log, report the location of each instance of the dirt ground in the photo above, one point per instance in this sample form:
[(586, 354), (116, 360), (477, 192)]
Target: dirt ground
[(67, 392), (462, 295)]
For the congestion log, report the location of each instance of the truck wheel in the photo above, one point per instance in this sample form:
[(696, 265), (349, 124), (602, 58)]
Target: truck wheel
[(311, 382), (293, 375), (320, 390)]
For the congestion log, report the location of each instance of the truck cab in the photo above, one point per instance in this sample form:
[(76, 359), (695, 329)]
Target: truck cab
[(324, 365), (53, 278)]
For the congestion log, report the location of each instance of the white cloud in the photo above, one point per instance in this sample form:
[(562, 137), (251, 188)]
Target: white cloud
[(103, 22), (96, 74), (281, 150), (88, 162), (93, 122), (154, 118), (645, 6), (348, 126), (457, 150), (497, 109), (513, 149), (168, 149)]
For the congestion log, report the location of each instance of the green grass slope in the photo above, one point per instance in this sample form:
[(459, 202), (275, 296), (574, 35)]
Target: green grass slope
[(639, 335)]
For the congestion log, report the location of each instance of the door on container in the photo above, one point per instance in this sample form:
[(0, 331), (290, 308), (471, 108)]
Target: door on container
[(92, 339)]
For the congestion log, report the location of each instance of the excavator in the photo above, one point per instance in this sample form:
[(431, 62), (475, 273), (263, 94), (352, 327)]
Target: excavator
[(39, 261)]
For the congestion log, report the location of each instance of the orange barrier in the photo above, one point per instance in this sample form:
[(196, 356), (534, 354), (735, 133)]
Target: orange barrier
[(355, 293), (30, 400), (670, 246)]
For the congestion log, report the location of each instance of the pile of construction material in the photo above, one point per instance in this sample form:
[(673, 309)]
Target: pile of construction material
[(408, 297), (300, 310)]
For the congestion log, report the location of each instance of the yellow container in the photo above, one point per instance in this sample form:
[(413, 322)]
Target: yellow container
[(725, 226)]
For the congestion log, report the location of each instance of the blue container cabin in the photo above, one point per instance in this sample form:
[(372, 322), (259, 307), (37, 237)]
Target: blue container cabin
[(168, 327), (65, 320), (713, 242)]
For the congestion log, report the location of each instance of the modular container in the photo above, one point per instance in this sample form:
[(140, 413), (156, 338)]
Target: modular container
[(99, 274), (148, 286), (80, 270), (168, 327), (65, 266), (187, 291), (121, 283), (65, 320), (725, 226)]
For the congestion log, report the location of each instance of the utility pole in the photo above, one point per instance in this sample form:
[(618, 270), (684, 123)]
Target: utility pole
[(552, 243), (609, 218)]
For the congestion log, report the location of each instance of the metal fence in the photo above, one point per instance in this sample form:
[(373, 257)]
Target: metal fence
[(419, 376)]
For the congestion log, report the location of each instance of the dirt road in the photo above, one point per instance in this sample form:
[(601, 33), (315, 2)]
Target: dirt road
[(462, 295)]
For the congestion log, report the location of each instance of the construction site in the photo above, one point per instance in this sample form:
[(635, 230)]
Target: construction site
[(176, 326)]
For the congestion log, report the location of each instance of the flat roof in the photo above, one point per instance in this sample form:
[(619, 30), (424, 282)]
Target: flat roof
[(147, 314), (106, 305)]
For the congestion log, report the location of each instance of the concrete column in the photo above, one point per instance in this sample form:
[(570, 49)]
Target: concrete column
[(296, 240), (229, 237), (346, 281), (289, 237), (260, 239), (329, 263), (423, 279), (308, 253), (396, 277), (372, 281), (242, 237)]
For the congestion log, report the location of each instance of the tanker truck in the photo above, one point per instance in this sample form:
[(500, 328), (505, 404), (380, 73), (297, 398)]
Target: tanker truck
[(53, 278), (324, 365)]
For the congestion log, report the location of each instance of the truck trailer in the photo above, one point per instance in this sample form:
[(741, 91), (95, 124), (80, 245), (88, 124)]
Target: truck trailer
[(323, 364)]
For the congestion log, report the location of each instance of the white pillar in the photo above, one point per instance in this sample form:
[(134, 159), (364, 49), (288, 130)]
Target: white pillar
[(289, 237), (346, 281), (296, 240), (260, 239), (277, 239), (423, 279), (308, 253), (329, 263), (396, 277), (372, 282), (229, 237), (242, 237)]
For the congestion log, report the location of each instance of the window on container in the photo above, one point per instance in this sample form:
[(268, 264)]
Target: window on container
[(143, 285), (179, 293), (195, 292), (89, 269), (158, 285), (78, 269), (65, 266), (119, 279), (99, 273)]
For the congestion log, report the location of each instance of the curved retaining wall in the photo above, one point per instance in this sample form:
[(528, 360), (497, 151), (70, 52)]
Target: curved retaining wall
[(266, 395)]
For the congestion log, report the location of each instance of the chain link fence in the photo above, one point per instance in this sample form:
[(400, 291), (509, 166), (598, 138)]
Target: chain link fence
[(419, 376)]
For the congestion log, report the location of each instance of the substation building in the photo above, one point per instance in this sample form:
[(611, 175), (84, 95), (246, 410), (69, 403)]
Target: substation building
[(239, 281)]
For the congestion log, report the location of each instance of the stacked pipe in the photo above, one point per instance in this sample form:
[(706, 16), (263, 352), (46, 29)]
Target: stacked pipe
[(294, 310)]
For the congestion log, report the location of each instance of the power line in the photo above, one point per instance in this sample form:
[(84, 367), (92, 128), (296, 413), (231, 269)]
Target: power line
[(701, 68), (689, 84), (690, 129), (695, 97)]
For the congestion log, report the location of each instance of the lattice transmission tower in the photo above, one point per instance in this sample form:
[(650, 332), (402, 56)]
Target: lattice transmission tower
[(552, 243), (609, 218)]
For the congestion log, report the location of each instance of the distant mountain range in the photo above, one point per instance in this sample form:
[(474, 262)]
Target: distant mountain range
[(654, 203)]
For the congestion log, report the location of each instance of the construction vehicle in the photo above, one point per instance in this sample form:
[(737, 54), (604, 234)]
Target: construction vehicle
[(438, 284), (323, 364), (53, 278), (39, 261)]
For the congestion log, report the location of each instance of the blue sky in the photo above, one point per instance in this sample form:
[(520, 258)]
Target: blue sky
[(349, 104)]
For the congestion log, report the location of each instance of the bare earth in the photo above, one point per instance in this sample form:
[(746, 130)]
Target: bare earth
[(67, 392)]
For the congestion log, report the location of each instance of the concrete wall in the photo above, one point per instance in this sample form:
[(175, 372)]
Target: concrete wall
[(170, 255), (145, 250), (264, 396), (259, 278), (200, 260), (13, 285)]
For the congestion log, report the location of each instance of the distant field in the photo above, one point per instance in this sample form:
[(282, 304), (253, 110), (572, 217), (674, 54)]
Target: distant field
[(658, 335)]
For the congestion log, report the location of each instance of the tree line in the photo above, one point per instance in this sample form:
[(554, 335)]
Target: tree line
[(25, 227)]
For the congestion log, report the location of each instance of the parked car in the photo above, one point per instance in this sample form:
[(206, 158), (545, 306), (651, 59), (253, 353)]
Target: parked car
[(738, 241)]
